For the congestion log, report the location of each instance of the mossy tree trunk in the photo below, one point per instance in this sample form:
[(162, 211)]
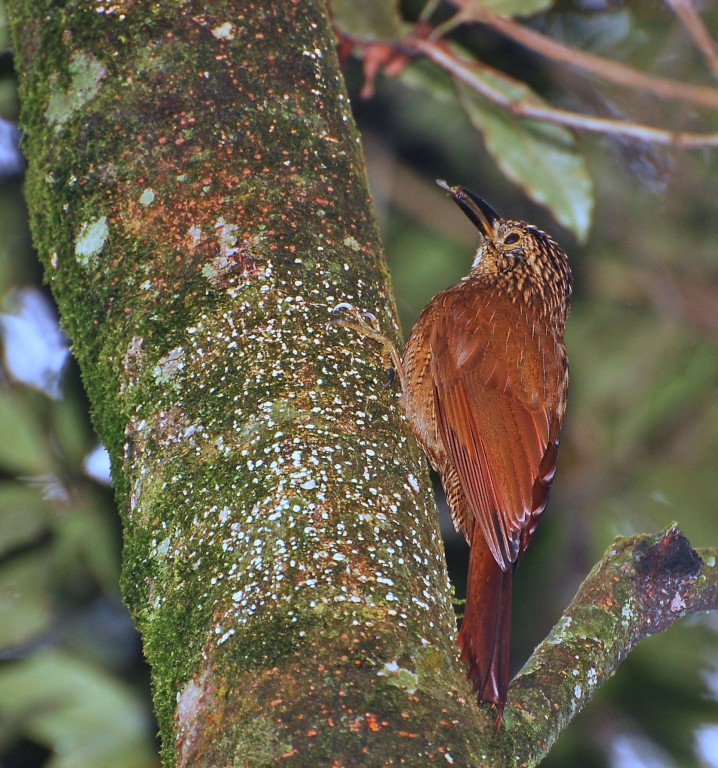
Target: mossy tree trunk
[(198, 198)]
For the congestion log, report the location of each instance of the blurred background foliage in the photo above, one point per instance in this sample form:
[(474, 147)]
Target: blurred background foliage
[(640, 443)]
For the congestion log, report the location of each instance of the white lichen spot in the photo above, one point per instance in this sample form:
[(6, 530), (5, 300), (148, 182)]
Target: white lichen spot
[(413, 482), (352, 242), (196, 695), (170, 365), (449, 759), (577, 690), (224, 31), (226, 237), (678, 603), (163, 547), (592, 676), (147, 197), (91, 240), (627, 613), (400, 676), (86, 72), (195, 233)]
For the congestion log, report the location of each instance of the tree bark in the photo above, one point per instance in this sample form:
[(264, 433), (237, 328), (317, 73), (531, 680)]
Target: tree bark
[(199, 200)]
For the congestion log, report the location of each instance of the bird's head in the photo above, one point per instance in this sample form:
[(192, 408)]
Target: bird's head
[(512, 247)]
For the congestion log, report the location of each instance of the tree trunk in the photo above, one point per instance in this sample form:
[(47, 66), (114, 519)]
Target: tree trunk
[(199, 200)]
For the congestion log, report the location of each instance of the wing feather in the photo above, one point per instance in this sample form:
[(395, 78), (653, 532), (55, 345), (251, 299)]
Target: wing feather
[(502, 439)]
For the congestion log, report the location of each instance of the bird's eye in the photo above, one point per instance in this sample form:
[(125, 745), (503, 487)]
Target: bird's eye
[(511, 239)]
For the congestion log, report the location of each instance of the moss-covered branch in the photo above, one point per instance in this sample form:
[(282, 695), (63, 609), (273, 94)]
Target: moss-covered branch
[(640, 587), (199, 201)]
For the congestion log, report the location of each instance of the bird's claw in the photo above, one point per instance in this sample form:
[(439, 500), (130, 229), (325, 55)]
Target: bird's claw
[(367, 324), (361, 317)]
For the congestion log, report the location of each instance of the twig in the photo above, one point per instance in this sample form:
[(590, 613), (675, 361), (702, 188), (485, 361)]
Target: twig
[(613, 71), (466, 72), (686, 12)]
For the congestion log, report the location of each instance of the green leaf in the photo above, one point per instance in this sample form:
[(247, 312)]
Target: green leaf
[(539, 157), (367, 19), (422, 74), (4, 28), (87, 718), (24, 599), (23, 515), (88, 539), (24, 447), (510, 7), (71, 431)]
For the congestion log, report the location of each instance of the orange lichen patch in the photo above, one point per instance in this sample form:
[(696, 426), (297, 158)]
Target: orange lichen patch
[(606, 602), (372, 722)]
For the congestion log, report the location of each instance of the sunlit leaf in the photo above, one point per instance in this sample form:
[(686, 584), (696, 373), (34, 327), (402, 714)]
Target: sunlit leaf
[(367, 19), (541, 158), (24, 447), (87, 718)]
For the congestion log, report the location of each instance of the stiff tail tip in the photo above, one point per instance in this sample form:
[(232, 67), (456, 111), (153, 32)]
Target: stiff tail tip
[(485, 634)]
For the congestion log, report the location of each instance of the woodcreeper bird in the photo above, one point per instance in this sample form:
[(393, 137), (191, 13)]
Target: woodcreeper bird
[(484, 377)]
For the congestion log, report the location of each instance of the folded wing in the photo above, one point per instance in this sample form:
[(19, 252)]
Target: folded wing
[(502, 439)]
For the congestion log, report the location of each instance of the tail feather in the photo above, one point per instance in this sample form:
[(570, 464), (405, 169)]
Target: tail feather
[(485, 634)]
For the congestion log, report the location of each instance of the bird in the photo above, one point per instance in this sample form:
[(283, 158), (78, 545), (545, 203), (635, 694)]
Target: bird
[(484, 381)]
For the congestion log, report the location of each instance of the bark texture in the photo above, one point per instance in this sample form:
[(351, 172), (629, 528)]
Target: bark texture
[(199, 201)]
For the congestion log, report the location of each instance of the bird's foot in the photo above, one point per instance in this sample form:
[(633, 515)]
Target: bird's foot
[(365, 323)]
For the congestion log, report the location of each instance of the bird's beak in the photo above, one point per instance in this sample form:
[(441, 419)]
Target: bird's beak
[(477, 210)]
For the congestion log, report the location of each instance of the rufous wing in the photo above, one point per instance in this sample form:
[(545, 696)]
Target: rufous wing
[(500, 433)]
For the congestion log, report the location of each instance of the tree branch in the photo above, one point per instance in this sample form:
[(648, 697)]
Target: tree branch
[(691, 20), (613, 71), (468, 72), (640, 587)]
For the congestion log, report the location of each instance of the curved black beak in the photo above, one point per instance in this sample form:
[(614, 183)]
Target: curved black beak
[(477, 210)]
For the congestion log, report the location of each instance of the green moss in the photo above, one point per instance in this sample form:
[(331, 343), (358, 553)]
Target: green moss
[(253, 742)]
